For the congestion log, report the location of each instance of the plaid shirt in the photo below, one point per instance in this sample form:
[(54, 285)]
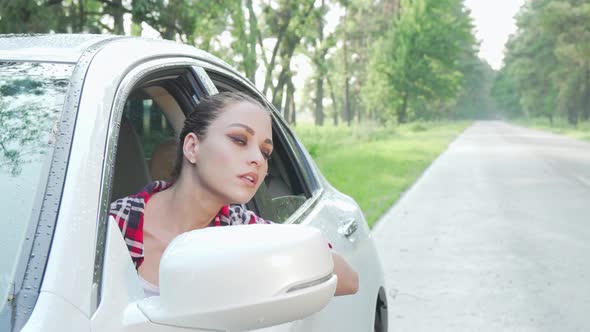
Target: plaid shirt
[(128, 213)]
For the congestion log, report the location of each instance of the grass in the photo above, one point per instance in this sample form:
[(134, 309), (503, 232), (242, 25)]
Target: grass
[(375, 165), (559, 126)]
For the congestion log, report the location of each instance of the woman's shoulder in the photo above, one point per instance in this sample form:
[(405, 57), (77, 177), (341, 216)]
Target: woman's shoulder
[(122, 207), (137, 201), (128, 213)]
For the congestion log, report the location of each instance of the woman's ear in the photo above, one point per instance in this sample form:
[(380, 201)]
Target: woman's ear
[(190, 147)]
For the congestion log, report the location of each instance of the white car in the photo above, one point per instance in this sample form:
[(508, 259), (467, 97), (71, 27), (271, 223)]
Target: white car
[(86, 119)]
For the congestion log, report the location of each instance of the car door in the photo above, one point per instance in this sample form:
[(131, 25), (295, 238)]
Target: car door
[(295, 192), (147, 115), (343, 223)]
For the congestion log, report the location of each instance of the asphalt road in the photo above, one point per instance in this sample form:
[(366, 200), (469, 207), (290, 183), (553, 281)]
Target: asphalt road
[(494, 236)]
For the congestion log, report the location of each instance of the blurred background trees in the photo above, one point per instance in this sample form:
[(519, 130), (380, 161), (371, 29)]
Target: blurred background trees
[(345, 61), (546, 70)]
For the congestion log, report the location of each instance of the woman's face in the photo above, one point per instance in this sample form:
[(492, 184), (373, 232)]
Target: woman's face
[(231, 160)]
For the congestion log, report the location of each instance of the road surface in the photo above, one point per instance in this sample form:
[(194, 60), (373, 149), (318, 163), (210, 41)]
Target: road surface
[(494, 236)]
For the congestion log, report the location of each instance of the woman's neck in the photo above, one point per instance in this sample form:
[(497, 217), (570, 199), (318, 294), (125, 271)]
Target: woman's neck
[(189, 206)]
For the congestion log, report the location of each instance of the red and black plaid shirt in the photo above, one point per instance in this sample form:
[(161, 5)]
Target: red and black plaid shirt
[(128, 213)]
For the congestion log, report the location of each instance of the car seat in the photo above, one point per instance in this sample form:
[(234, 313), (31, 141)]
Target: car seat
[(162, 161), (131, 173)]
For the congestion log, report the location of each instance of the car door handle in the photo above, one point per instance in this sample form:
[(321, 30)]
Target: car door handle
[(348, 227)]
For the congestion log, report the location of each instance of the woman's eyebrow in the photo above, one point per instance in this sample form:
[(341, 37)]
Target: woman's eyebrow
[(241, 125), (249, 130)]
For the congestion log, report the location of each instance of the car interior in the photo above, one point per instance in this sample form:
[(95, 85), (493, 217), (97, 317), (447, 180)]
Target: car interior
[(139, 161)]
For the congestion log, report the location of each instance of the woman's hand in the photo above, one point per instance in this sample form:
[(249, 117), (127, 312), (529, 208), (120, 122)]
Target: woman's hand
[(348, 279)]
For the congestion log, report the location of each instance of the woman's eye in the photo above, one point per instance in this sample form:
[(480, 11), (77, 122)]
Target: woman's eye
[(238, 140)]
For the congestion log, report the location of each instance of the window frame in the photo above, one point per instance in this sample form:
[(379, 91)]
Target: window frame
[(139, 76)]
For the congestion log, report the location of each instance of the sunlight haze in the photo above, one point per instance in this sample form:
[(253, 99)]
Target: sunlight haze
[(494, 22)]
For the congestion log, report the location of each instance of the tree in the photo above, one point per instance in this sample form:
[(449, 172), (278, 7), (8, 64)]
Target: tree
[(45, 16), (423, 51), (474, 101), (319, 44), (347, 63), (505, 95), (287, 24), (568, 21), (548, 60)]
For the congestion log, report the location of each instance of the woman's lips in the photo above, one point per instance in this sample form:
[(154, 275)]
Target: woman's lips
[(250, 179)]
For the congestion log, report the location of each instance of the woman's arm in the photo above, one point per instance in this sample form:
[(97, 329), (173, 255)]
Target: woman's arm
[(348, 279)]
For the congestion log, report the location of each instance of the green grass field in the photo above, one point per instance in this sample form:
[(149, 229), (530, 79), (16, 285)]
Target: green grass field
[(560, 126), (375, 165)]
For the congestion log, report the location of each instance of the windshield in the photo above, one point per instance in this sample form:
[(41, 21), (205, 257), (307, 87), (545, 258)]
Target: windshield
[(31, 100)]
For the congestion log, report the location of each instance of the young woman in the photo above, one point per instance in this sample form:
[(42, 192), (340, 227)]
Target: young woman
[(222, 158)]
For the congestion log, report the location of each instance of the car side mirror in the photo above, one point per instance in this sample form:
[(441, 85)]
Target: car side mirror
[(241, 278)]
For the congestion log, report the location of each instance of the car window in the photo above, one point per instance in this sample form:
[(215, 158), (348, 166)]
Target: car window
[(152, 116), (149, 122), (152, 119), (32, 96), (144, 130), (284, 189)]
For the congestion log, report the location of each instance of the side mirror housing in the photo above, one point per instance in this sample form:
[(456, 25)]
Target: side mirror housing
[(242, 277)]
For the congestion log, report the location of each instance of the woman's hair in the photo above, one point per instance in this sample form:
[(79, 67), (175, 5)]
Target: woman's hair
[(199, 120)]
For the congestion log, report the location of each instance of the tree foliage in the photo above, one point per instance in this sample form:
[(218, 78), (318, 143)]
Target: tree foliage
[(416, 68), (547, 66), (387, 60)]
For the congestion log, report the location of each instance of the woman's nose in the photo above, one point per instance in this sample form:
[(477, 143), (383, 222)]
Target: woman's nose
[(256, 157)]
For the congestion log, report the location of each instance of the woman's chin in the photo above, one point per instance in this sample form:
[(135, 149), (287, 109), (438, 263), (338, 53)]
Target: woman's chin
[(239, 198)]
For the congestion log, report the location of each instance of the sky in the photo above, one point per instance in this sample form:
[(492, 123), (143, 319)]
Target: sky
[(494, 22)]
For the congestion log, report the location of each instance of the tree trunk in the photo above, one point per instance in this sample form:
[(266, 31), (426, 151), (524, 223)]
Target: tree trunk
[(319, 105), (252, 38), (334, 104), (168, 33), (277, 93), (287, 107), (286, 75), (586, 106), (292, 41), (347, 110), (291, 98), (358, 115), (271, 64), (319, 91), (81, 17), (246, 44), (117, 13), (402, 112), (572, 115)]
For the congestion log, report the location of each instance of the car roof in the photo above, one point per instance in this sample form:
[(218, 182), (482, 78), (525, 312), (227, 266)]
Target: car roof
[(49, 48), (73, 48), (68, 48)]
